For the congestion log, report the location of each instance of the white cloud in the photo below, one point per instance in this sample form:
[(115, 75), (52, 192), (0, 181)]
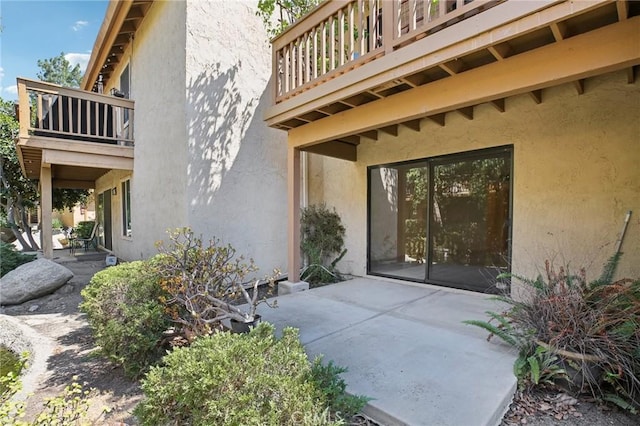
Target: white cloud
[(1, 73), (12, 89), (78, 58), (78, 25)]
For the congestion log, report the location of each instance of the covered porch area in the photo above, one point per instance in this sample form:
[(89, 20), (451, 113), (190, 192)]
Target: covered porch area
[(406, 347)]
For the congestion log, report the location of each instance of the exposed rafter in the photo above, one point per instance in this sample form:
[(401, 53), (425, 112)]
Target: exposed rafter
[(466, 112), (499, 104), (579, 85), (390, 130), (412, 124), (623, 9), (559, 30), (438, 118), (501, 51), (536, 95)]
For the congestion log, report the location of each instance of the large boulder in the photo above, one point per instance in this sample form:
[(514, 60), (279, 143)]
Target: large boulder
[(32, 280)]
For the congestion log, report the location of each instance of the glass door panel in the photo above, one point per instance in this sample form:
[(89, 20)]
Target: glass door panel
[(398, 220), (469, 226)]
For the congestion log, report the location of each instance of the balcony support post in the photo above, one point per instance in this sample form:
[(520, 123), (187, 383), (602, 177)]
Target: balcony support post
[(46, 207), (293, 282), (388, 25)]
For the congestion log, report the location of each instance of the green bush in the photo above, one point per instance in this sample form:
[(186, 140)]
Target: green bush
[(236, 379), (10, 258), (84, 228), (123, 309), (322, 238), (56, 223)]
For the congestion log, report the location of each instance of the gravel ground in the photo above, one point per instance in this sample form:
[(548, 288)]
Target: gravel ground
[(56, 318)]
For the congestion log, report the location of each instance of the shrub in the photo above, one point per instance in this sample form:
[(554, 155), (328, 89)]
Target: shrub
[(56, 223), (322, 238), (236, 379), (11, 258), (123, 309), (584, 325), (84, 228), (204, 283)]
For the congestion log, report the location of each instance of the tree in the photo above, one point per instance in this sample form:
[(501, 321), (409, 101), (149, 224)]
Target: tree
[(58, 70), (17, 193), (285, 11)]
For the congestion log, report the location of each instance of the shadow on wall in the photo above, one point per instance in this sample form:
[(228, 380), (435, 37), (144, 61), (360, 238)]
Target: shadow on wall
[(217, 121), (236, 175)]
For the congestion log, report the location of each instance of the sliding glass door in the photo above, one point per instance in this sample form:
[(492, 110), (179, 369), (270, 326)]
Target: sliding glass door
[(443, 220)]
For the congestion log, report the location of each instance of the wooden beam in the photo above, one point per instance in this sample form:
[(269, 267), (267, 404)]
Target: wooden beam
[(353, 139), (438, 118), (631, 74), (46, 207), (73, 184), (293, 219), (559, 30), (597, 52), (579, 85), (412, 124), (623, 9), (335, 149), (501, 51), (536, 95), (480, 31), (454, 67), (122, 40), (390, 130), (43, 142), (128, 27), (86, 160), (135, 12), (467, 112), (499, 104), (415, 80), (371, 134)]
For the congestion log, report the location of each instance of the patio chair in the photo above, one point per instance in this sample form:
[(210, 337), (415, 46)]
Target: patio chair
[(91, 240)]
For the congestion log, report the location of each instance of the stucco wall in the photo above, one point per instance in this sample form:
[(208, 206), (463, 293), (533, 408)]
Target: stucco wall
[(158, 193), (575, 173), (120, 245), (236, 178)]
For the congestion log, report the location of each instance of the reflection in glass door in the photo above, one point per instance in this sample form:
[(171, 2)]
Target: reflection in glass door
[(444, 221)]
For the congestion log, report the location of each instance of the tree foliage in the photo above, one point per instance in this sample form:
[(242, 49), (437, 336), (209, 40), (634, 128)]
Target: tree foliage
[(58, 70), (277, 15)]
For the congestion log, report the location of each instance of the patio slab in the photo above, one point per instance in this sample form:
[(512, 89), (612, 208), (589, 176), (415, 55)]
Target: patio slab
[(406, 348)]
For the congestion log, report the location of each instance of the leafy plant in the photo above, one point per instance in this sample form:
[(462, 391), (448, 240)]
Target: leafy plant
[(205, 283), (237, 379), (581, 323), (84, 228), (286, 12), (11, 258), (123, 308), (333, 387), (56, 223), (322, 237)]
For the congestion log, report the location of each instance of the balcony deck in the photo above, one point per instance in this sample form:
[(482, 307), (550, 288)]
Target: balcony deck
[(79, 135), (346, 54)]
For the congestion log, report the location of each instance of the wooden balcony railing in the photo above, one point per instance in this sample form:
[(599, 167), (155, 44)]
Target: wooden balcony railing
[(50, 110), (340, 35)]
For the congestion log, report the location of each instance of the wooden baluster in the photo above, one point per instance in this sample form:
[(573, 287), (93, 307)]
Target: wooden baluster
[(275, 68), (286, 68), (373, 25), (131, 124), (332, 51), (300, 73), (413, 14), (442, 9), (96, 119), (352, 40), (50, 111), (314, 53), (105, 120), (362, 41), (341, 40), (323, 48), (39, 111), (307, 56), (60, 116), (87, 118)]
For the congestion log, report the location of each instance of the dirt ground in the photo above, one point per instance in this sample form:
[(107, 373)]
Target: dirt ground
[(56, 317)]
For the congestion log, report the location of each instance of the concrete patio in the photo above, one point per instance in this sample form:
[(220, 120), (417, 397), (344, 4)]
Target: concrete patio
[(406, 347)]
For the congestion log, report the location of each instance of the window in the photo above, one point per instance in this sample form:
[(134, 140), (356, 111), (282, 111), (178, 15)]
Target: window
[(126, 208), (443, 220)]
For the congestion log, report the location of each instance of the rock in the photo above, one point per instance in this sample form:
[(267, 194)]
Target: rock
[(65, 289), (34, 308), (32, 280)]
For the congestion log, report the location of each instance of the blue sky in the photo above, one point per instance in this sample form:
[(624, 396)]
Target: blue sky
[(33, 30)]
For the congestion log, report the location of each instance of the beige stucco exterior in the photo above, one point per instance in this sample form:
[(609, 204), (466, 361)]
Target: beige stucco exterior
[(575, 173), (203, 156)]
